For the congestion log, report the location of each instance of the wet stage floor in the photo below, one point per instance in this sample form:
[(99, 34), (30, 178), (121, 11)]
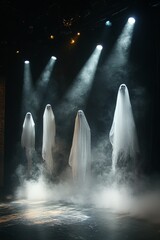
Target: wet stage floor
[(22, 220)]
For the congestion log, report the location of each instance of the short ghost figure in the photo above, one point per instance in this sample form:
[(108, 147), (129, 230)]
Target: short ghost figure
[(28, 139), (80, 154), (123, 135), (49, 132)]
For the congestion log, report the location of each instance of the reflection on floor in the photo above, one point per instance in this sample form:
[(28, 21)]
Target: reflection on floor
[(46, 220)]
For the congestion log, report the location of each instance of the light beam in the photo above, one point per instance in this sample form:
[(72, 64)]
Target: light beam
[(116, 66), (76, 97), (27, 89)]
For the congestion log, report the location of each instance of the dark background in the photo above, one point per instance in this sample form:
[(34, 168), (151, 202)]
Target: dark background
[(27, 26)]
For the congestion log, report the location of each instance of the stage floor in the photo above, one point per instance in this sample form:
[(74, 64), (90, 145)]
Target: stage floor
[(23, 220)]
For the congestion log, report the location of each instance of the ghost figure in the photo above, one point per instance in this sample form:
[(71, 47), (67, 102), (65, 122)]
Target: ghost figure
[(49, 132), (80, 154), (123, 135), (28, 139)]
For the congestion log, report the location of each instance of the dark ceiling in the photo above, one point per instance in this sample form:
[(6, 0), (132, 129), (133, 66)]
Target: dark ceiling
[(44, 17), (24, 23)]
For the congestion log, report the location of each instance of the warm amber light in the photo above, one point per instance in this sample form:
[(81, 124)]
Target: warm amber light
[(78, 34), (72, 41), (51, 37)]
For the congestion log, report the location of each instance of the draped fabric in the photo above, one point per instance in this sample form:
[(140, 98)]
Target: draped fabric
[(123, 136), (48, 143), (80, 154), (28, 138)]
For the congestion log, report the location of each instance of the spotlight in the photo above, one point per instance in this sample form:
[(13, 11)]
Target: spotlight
[(51, 37), (53, 57), (131, 20), (72, 41), (108, 23), (26, 62), (78, 33), (99, 47)]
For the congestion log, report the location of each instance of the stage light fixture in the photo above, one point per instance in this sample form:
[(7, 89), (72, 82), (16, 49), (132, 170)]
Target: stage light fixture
[(51, 37), (53, 57), (131, 20), (72, 41), (99, 47), (26, 62), (108, 23)]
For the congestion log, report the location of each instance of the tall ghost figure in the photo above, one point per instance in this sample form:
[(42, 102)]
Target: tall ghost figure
[(80, 154), (48, 143), (123, 136), (28, 139)]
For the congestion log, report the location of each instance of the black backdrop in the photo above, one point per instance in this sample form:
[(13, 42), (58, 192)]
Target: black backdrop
[(143, 84)]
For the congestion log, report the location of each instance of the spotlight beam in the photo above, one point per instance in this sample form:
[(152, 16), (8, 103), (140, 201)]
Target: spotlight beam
[(116, 69), (27, 89), (84, 80), (32, 97), (42, 83), (77, 95)]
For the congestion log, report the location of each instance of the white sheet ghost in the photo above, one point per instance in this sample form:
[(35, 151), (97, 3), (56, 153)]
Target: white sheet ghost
[(123, 135), (28, 138), (48, 143), (80, 154)]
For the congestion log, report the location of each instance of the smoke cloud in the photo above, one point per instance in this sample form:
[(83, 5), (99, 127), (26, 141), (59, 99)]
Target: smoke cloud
[(131, 196)]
